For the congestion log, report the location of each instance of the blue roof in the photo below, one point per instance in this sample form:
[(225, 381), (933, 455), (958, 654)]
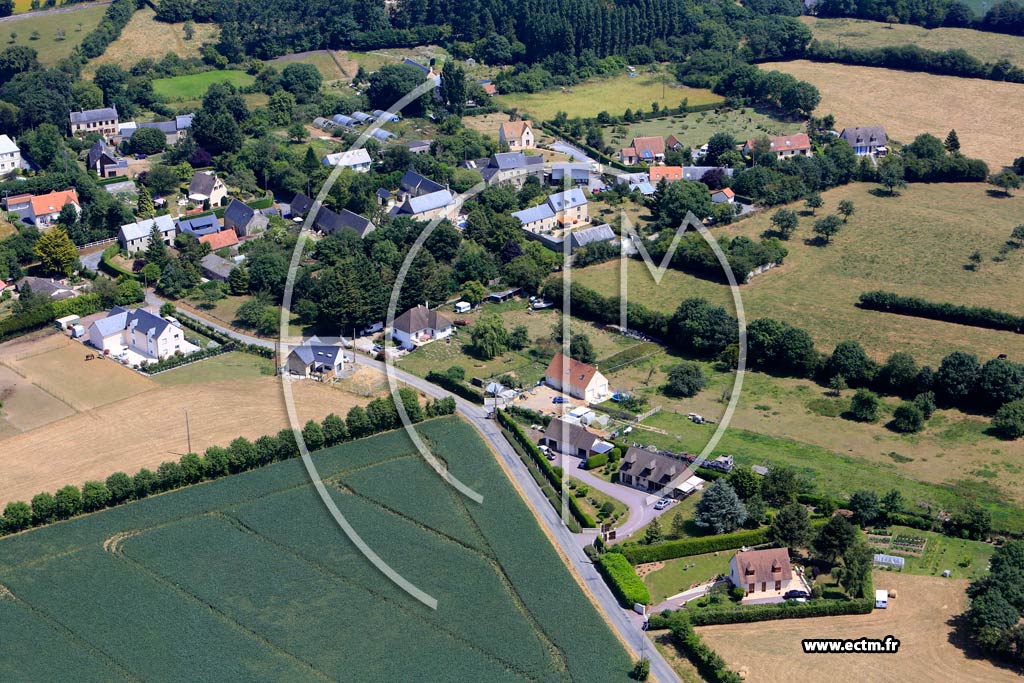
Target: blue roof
[(560, 201), (362, 116), (534, 213), (646, 189), (382, 134), (343, 120), (430, 201), (141, 319), (203, 225), (386, 116), (311, 352)]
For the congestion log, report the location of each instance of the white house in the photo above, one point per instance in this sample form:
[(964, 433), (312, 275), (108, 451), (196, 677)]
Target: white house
[(763, 573), (10, 156), (518, 135), (784, 146), (45, 209), (866, 140), (561, 210), (140, 331), (207, 187), (723, 196), (573, 439), (577, 379), (356, 159), (659, 472), (134, 237), (420, 325), (316, 359), (102, 121)]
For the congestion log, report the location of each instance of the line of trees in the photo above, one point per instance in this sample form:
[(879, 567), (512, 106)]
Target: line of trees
[(239, 456), (1006, 16), (977, 316), (913, 58), (997, 604)]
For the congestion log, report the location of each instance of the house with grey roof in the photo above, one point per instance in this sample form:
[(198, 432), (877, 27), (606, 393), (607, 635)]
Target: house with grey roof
[(591, 235), (572, 438), (206, 188), (562, 210), (512, 168), (216, 268), (328, 222), (244, 219), (420, 325), (199, 226), (660, 472), (102, 121), (10, 156), (134, 237), (105, 162), (316, 359), (139, 331), (427, 207), (300, 205), (414, 184), (866, 140), (577, 173)]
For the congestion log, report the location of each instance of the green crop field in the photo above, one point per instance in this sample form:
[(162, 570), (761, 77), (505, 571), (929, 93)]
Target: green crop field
[(694, 129), (857, 33), (194, 86), (614, 95), (44, 33), (250, 579)]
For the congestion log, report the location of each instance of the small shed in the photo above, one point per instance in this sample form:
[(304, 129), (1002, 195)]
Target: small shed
[(66, 322), (881, 599), (463, 307)]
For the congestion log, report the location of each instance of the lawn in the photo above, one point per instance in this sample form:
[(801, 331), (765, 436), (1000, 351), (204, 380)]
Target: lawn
[(839, 472), (248, 574), (915, 244), (144, 37), (858, 33), (75, 25), (233, 365), (911, 103), (964, 559), (195, 85), (694, 129), (594, 500), (683, 573), (614, 95)]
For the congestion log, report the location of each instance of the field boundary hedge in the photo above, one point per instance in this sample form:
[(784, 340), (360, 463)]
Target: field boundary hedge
[(456, 387), (684, 547), (221, 338), (546, 469), (41, 317), (710, 665), (618, 573), (974, 316)]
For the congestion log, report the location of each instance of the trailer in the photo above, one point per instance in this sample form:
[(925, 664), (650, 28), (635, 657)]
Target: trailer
[(66, 322)]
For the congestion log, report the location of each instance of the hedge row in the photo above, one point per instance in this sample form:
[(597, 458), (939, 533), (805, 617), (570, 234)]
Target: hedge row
[(553, 477), (914, 58), (531, 416), (41, 317), (618, 573), (976, 316), (175, 361), (456, 387), (115, 18), (710, 665), (223, 339), (684, 547), (107, 263), (594, 461), (782, 610)]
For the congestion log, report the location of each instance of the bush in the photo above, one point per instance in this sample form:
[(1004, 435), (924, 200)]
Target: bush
[(1009, 420), (453, 385), (709, 664), (783, 610), (599, 460), (907, 418), (685, 380), (625, 584)]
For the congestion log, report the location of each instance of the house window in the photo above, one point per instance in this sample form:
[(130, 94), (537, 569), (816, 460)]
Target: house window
[(750, 588), (764, 586), (778, 585)]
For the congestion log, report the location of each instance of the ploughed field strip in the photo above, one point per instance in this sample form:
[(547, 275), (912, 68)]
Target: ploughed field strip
[(249, 578)]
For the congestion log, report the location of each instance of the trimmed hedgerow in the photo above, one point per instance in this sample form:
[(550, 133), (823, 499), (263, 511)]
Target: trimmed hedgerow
[(618, 573), (684, 547), (975, 316)]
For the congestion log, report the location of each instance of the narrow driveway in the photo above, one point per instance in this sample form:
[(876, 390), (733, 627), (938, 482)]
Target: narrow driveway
[(58, 10), (571, 150), (626, 623)]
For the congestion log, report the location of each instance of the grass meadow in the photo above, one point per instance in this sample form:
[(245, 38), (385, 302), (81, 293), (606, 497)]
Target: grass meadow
[(858, 33), (906, 103), (144, 36), (194, 86), (252, 580), (694, 129), (614, 95), (75, 25)]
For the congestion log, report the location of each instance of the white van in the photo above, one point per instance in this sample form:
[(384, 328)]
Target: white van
[(881, 599)]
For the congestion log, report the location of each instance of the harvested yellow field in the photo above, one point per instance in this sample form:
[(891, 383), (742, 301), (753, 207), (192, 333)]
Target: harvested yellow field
[(983, 113), (144, 37)]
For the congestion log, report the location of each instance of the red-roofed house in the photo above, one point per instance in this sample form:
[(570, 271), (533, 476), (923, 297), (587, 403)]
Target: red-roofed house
[(667, 173), (672, 142), (784, 146), (219, 240), (644, 149), (518, 135), (577, 379), (763, 573), (723, 196), (490, 89), (45, 208)]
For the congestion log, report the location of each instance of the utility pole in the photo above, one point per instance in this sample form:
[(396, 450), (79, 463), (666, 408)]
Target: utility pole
[(188, 433)]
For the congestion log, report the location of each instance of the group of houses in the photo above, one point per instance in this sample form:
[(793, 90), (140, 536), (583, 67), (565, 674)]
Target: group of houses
[(420, 198)]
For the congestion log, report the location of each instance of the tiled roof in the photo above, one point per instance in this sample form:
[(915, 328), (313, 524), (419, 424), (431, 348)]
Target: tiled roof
[(757, 566), (515, 129), (53, 202), (90, 115), (421, 318), (219, 240), (569, 372)]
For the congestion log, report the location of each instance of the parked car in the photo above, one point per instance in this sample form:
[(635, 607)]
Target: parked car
[(796, 595), (559, 399), (461, 322), (140, 156), (662, 504)]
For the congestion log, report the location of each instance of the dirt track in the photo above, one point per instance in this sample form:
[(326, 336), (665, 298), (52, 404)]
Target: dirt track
[(770, 652)]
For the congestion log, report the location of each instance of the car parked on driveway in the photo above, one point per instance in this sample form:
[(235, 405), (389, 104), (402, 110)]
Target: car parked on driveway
[(662, 504), (559, 399), (796, 595)]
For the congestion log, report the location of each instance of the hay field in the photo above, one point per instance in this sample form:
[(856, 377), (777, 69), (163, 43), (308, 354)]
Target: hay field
[(144, 36), (858, 33), (985, 114), (328, 62), (770, 652), (915, 244), (615, 95), (75, 24)]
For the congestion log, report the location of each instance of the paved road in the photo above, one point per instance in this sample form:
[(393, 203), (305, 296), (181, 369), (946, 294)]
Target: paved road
[(58, 10), (571, 150), (627, 623)]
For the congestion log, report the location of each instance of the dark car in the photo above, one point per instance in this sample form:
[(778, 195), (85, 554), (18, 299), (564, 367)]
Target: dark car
[(796, 595)]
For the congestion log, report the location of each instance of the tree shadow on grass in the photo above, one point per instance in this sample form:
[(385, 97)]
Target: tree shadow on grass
[(998, 194), (818, 241), (959, 637), (882, 193)]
